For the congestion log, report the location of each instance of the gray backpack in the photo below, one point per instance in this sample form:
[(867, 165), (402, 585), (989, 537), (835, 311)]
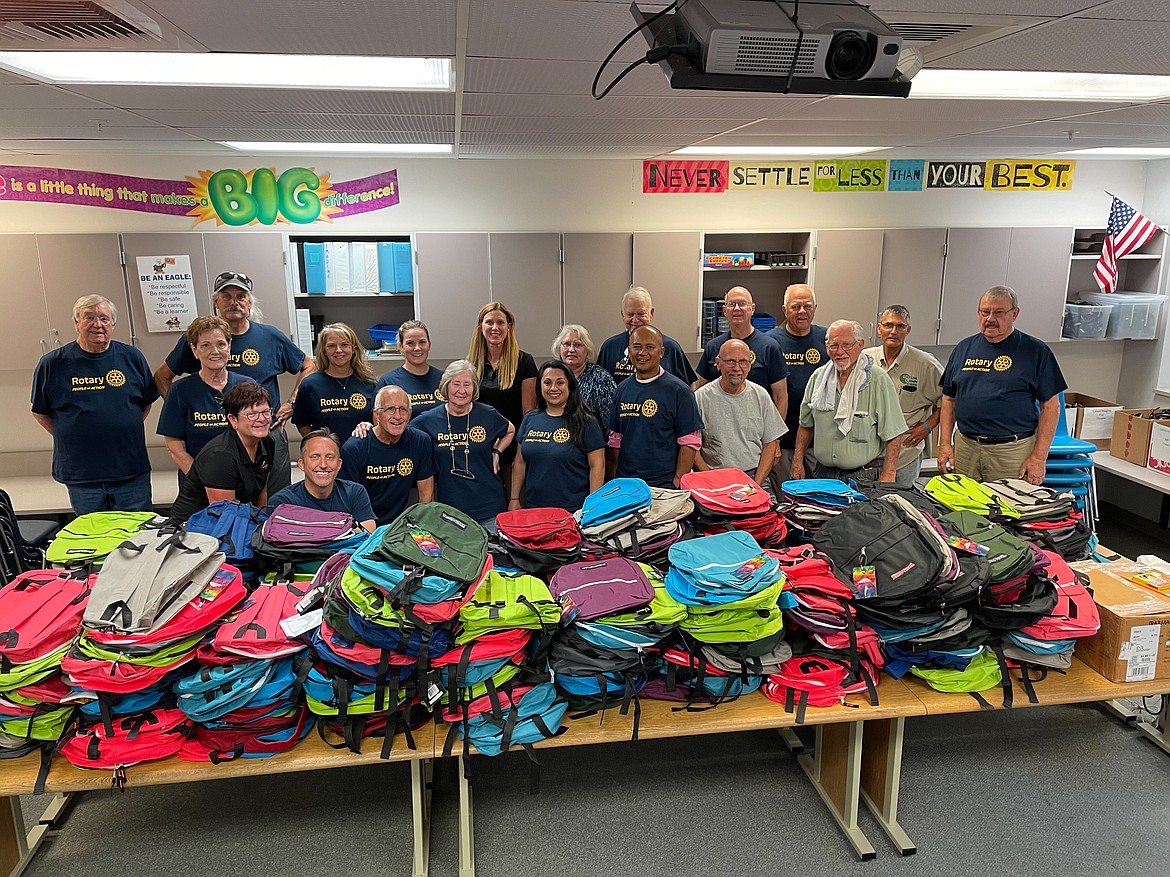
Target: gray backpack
[(667, 507), (1034, 503), (149, 578)]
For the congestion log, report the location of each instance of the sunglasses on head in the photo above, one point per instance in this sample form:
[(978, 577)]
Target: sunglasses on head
[(233, 278)]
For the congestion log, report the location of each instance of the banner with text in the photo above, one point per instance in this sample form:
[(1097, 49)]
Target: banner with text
[(297, 195), (857, 175)]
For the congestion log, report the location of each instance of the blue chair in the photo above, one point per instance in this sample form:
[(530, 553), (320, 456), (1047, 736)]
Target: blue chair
[(1075, 461), (1063, 443)]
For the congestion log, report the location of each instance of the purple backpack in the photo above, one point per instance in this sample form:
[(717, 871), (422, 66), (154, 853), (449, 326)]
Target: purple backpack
[(602, 587), (293, 526)]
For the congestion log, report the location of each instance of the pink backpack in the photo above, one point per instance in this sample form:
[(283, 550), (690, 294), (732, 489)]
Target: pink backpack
[(40, 612), (719, 493)]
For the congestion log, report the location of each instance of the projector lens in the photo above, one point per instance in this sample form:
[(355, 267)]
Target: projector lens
[(850, 56)]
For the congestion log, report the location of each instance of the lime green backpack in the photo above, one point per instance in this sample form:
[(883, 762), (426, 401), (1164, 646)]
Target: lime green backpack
[(663, 610), (91, 537), (984, 672), (504, 601), (18, 675), (44, 726), (734, 625), (766, 600), (962, 494)]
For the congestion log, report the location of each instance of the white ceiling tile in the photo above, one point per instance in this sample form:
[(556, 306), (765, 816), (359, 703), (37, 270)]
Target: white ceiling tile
[(526, 76), (578, 31)]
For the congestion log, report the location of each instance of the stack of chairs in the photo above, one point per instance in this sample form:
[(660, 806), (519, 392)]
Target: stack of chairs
[(1070, 468)]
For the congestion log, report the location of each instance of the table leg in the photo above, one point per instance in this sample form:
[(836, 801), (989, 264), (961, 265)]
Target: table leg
[(420, 792), (791, 740), (881, 774), (13, 844), (466, 823), (834, 768)]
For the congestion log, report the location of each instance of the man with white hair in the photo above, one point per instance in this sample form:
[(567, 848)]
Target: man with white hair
[(803, 344), (614, 356), (92, 395), (850, 414), (391, 458)]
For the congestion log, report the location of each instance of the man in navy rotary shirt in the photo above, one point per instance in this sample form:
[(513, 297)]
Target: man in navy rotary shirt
[(803, 345), (91, 396), (322, 489), (615, 355), (768, 368), (391, 458), (655, 428), (991, 387)]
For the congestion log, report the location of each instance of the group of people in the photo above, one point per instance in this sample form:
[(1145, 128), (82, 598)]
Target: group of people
[(494, 431)]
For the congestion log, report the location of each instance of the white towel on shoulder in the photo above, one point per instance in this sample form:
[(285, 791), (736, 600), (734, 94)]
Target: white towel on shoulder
[(825, 391)]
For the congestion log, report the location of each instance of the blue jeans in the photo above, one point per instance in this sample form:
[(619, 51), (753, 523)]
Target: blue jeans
[(908, 474), (131, 495)]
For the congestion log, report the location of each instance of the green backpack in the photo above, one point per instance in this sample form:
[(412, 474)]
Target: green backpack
[(664, 610), (92, 537), (962, 494), (766, 599), (1008, 555), (984, 672), (18, 675), (504, 601), (734, 625), (47, 725), (437, 537)]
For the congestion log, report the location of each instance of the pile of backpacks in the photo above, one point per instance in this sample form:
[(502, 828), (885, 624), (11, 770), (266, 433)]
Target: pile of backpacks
[(808, 503), (728, 499)]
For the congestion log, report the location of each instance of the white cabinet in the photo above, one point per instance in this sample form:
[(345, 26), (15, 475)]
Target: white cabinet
[(667, 263), (846, 275)]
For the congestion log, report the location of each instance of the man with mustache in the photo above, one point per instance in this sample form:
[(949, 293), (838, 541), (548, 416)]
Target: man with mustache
[(991, 386)]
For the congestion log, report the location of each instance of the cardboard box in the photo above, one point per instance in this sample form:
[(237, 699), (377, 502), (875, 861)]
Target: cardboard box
[(1090, 418), (1131, 435), (1159, 458), (1134, 641)]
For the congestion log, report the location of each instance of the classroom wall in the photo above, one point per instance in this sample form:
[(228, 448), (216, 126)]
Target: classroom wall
[(604, 195)]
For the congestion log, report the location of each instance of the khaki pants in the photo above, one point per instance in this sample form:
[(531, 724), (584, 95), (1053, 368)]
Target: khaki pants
[(991, 462)]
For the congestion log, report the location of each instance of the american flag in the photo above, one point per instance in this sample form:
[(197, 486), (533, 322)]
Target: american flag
[(1127, 230)]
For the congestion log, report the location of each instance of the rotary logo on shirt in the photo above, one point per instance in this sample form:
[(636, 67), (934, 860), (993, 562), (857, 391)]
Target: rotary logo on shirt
[(405, 466), (112, 378), (1002, 363), (477, 434), (357, 402), (812, 356), (649, 408), (250, 357), (115, 378)]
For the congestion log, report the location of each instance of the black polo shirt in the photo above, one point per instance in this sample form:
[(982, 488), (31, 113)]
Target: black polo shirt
[(224, 464)]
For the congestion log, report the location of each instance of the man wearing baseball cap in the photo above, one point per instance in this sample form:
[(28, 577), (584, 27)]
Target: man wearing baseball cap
[(259, 352)]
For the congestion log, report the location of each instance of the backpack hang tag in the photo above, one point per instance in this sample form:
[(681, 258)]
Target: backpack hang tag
[(743, 493), (295, 625), (427, 544), (315, 597), (569, 610), (864, 582), (434, 693), (962, 543)]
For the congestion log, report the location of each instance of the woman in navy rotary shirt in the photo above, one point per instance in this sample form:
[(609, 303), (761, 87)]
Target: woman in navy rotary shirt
[(340, 393), (561, 455), (469, 438), (417, 376), (192, 413)]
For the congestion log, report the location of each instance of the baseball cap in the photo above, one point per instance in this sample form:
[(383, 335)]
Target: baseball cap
[(231, 278)]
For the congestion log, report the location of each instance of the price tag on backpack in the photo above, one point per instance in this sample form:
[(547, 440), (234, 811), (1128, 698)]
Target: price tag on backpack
[(295, 625), (744, 492), (864, 582), (427, 544), (434, 693), (962, 543), (569, 611)]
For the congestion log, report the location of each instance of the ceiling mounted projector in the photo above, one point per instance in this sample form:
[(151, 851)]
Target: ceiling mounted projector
[(821, 40)]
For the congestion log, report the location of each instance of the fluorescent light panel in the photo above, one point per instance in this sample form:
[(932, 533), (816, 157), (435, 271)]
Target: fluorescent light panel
[(1038, 85), (1135, 151), (237, 70), (777, 150), (356, 148)]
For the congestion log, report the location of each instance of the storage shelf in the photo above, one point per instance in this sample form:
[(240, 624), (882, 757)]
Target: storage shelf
[(332, 295), (1132, 256), (761, 268)]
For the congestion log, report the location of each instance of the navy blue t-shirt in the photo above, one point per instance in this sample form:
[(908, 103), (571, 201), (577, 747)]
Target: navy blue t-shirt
[(767, 359), (651, 418), (996, 386), (193, 411), (96, 402), (388, 472), (803, 355), (465, 442), (422, 389), (557, 471), (262, 353), (346, 497), (336, 404), (614, 357)]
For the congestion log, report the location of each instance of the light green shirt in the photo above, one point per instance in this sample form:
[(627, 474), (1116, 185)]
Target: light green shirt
[(916, 376), (877, 419)]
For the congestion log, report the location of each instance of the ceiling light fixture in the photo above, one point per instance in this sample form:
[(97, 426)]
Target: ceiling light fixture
[(774, 151), (352, 148), (233, 70), (1121, 151), (1038, 85)]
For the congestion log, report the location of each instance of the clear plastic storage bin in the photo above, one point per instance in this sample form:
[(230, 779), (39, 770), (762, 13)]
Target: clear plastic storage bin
[(1085, 321), (1134, 314)]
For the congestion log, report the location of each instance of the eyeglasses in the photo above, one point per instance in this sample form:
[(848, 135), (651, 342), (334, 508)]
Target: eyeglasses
[(257, 416), (739, 363), (998, 313), (738, 305), (844, 345), (574, 345), (395, 409), (894, 327), (100, 319), (232, 278), (800, 306)]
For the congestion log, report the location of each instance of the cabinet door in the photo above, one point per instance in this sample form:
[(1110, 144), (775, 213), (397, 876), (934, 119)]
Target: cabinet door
[(260, 255), (156, 345), (526, 277), (976, 260), (454, 282), (26, 326), (1037, 269), (73, 265), (846, 274), (912, 276), (668, 264), (598, 270)]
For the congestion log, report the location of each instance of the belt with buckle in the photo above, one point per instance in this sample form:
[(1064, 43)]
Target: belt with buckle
[(999, 439)]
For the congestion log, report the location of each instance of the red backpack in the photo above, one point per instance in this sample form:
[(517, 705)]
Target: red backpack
[(277, 734), (255, 632), (40, 612), (812, 680), (723, 493), (144, 736), (539, 529)]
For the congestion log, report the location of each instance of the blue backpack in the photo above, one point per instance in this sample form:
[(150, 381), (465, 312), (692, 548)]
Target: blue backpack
[(212, 692), (536, 717), (823, 491), (232, 523), (718, 569), (615, 499)]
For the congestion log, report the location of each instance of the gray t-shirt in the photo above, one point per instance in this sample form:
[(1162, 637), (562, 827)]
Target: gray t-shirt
[(736, 428)]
